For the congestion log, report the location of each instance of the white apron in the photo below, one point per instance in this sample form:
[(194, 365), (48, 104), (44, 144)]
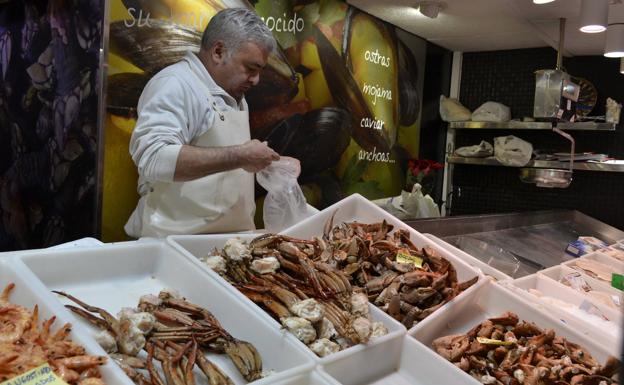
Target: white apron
[(217, 203)]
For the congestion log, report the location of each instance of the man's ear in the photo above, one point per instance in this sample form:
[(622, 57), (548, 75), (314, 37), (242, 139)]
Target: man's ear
[(218, 52)]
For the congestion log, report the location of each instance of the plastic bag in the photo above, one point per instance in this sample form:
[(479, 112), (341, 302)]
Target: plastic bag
[(451, 110), (419, 205), (492, 112), (512, 151), (481, 150), (284, 204)]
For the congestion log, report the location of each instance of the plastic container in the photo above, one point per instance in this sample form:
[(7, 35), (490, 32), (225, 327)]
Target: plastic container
[(196, 246), (115, 276), (556, 273), (415, 364), (357, 208), (316, 377), (486, 269), (492, 300), (615, 265), (607, 332), (29, 292)]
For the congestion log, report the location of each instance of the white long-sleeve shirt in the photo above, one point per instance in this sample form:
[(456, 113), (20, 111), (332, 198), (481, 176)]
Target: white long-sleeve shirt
[(173, 111)]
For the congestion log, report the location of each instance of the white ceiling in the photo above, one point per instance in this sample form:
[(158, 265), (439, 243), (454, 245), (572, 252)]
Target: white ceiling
[(489, 25)]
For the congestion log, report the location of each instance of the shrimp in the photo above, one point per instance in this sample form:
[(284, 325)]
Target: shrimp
[(14, 320)]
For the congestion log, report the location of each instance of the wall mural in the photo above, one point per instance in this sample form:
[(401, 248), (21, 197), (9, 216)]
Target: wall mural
[(341, 95), (49, 61)]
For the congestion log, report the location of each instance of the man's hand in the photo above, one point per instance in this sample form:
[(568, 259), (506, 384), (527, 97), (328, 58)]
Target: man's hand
[(256, 156)]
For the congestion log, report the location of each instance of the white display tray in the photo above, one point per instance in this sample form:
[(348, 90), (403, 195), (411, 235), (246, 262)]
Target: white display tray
[(29, 292), (115, 276), (316, 377), (558, 272), (608, 333), (617, 266), (472, 261), (492, 300), (196, 246), (415, 365), (357, 208)]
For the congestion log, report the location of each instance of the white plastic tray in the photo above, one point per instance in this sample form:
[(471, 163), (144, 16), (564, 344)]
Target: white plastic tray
[(196, 246), (608, 333), (492, 300), (558, 272), (415, 365), (617, 266), (472, 261), (115, 276), (358, 208), (29, 292), (316, 377)]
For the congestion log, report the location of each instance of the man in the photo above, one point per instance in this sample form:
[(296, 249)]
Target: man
[(192, 144)]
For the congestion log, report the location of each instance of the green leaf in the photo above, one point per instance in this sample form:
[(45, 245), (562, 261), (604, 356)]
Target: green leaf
[(369, 189), (354, 171), (332, 11)]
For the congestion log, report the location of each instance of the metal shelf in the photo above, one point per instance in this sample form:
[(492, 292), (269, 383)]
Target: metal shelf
[(580, 166), (516, 125)]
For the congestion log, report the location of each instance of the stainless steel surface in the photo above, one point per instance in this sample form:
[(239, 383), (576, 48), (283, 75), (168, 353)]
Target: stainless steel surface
[(548, 93), (546, 177), (513, 125), (562, 23), (516, 125), (551, 177), (540, 236), (579, 166), (587, 126)]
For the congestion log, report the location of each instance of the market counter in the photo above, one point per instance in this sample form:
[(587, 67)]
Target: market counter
[(537, 239)]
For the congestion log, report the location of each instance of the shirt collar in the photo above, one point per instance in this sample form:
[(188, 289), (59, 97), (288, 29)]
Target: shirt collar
[(202, 73)]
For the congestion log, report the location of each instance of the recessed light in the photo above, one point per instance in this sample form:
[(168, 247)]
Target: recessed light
[(543, 1)]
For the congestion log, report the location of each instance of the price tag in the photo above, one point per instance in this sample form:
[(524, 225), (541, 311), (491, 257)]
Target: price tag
[(404, 257), (617, 281), (42, 375), (488, 341)]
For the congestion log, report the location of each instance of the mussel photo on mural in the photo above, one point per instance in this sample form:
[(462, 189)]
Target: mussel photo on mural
[(409, 101), (374, 71), (317, 139), (124, 90)]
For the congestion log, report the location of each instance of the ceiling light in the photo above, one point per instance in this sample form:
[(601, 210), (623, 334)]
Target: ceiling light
[(542, 1), (431, 9), (594, 15), (615, 40)]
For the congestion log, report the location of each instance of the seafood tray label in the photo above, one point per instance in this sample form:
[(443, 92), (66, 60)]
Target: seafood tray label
[(489, 341), (41, 375), (617, 281), (405, 257)]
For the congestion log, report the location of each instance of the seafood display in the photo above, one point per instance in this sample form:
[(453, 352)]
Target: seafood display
[(594, 269), (577, 281), (26, 344), (506, 350), (405, 281), (175, 333), (312, 300)]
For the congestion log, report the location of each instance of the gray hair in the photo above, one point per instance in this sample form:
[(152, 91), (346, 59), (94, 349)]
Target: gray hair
[(235, 26)]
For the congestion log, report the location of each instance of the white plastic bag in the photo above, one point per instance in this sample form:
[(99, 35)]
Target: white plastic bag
[(451, 110), (512, 151), (492, 112), (419, 205), (284, 204), (481, 150)]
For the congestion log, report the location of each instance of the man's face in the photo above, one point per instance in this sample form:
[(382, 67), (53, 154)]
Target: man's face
[(240, 70)]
